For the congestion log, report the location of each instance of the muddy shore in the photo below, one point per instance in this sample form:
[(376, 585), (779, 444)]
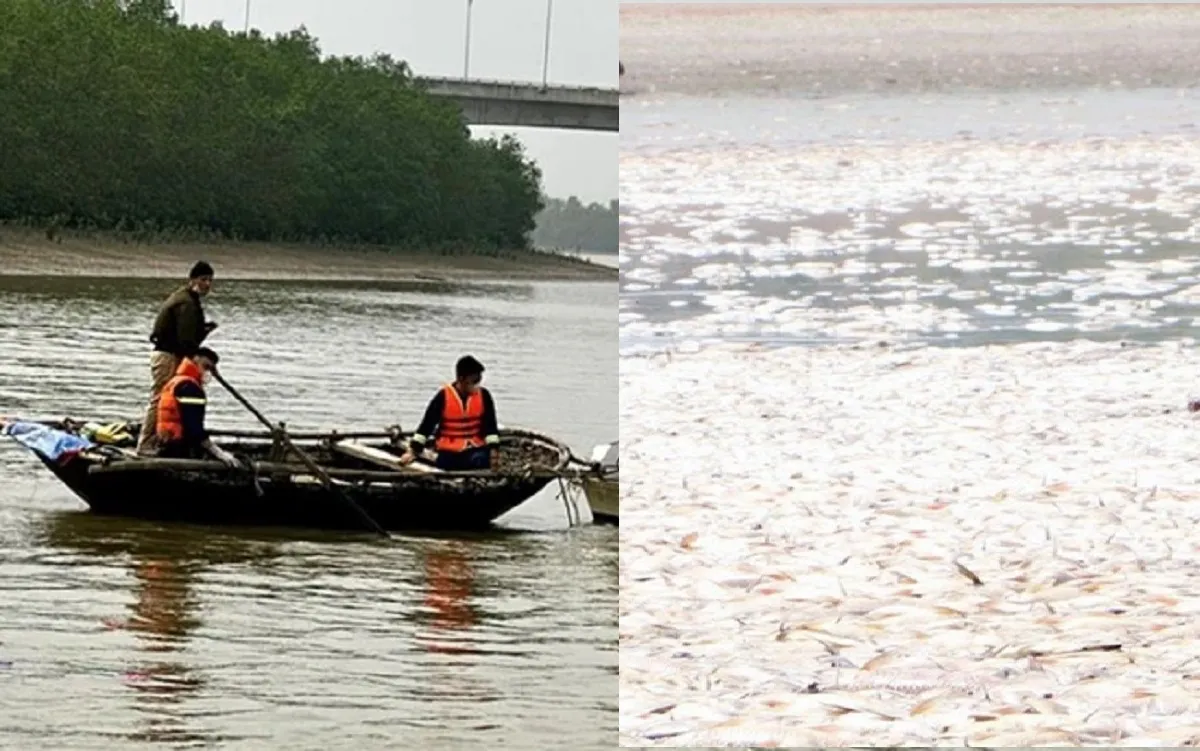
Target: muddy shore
[(26, 252)]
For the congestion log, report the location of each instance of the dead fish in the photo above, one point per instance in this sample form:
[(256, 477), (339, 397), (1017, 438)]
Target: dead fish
[(1179, 736), (915, 681), (743, 732), (1048, 737), (1016, 723), (842, 704)]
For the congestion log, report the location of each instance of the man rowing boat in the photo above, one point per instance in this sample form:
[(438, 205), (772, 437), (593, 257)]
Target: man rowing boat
[(179, 330)]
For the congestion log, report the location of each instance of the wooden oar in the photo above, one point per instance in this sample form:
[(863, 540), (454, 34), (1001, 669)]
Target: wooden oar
[(305, 458)]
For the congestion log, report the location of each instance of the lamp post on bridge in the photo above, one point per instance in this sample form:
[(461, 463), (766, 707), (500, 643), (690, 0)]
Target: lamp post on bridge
[(246, 28), (467, 42), (546, 44)]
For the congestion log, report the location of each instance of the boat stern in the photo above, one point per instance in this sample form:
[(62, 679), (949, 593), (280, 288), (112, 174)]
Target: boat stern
[(604, 491)]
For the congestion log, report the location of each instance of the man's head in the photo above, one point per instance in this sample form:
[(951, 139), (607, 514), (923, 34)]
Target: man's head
[(200, 278), (468, 374), (207, 360)]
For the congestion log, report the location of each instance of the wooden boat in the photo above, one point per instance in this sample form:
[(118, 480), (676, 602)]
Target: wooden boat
[(603, 489), (275, 489)]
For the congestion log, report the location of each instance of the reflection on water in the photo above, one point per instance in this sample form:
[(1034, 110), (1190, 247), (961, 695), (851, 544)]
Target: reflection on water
[(448, 594), (439, 638), (161, 621), (261, 639), (162, 565)]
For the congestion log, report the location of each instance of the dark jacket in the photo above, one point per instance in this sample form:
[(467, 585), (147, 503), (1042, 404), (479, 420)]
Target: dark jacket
[(433, 418), (179, 327)]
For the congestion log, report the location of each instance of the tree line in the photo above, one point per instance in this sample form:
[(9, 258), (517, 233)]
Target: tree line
[(573, 225), (114, 116)]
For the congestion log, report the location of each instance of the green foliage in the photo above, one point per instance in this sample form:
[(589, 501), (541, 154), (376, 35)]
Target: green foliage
[(115, 117), (572, 225)]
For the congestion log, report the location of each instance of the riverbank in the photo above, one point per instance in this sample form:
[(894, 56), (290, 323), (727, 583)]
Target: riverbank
[(27, 252)]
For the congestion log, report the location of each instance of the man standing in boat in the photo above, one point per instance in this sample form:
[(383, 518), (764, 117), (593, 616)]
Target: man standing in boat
[(180, 432), (461, 420), (179, 330)]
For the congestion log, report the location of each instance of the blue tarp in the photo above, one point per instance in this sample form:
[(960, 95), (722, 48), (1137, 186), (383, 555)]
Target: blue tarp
[(47, 442)]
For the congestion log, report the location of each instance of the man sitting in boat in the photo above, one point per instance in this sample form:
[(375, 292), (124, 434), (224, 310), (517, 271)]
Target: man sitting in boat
[(180, 432), (461, 419)]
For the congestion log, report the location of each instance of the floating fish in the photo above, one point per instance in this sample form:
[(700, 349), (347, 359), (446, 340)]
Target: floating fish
[(819, 601)]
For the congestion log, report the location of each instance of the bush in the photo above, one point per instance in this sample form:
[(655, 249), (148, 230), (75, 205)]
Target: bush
[(571, 224), (115, 117)]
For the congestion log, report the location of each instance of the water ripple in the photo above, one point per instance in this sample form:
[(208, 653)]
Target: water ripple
[(948, 241), (201, 637)]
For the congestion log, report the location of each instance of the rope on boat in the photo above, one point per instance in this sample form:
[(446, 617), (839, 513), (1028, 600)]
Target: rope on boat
[(577, 468), (258, 489), (568, 493)]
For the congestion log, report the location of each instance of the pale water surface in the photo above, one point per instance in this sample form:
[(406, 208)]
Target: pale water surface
[(962, 510), (939, 217), (115, 634), (943, 175)]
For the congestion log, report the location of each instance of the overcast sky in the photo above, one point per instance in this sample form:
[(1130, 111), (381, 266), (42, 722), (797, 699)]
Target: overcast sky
[(506, 43)]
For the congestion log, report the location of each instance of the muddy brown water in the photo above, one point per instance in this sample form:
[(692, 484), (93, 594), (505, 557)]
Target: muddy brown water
[(120, 634)]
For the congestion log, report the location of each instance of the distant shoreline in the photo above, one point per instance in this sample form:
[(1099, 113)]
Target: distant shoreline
[(27, 252), (830, 49)]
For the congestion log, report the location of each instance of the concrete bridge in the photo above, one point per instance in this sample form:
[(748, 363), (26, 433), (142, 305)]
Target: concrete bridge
[(485, 102)]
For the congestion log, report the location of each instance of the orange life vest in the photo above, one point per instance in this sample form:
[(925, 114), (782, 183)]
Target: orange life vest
[(461, 427), (170, 419)]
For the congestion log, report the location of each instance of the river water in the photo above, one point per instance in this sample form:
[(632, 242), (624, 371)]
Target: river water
[(944, 218), (117, 634), (902, 290), (1006, 178)]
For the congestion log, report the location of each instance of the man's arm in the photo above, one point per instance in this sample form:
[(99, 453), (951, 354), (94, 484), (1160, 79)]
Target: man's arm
[(433, 416), (491, 429), (164, 324)]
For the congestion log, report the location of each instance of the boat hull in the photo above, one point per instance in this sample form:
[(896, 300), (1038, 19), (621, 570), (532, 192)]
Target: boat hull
[(301, 481), (604, 496), (244, 499)]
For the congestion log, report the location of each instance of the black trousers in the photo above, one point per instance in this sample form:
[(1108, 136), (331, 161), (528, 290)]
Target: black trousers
[(476, 458)]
